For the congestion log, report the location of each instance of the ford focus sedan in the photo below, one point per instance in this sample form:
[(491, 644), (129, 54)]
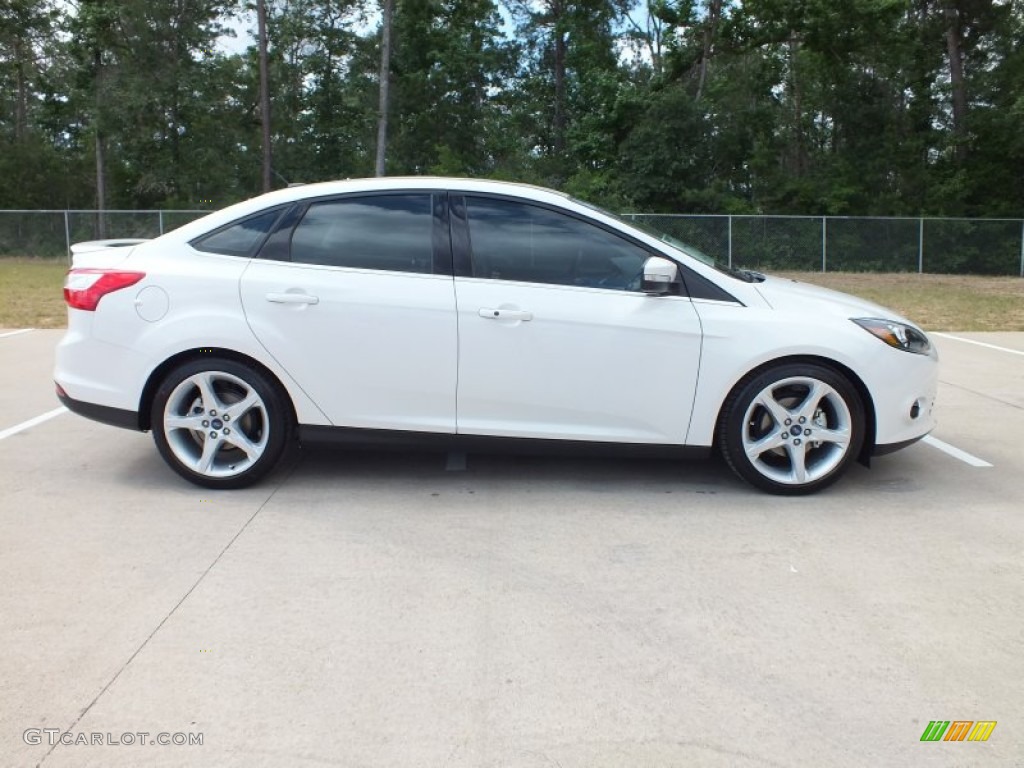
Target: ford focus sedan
[(476, 315)]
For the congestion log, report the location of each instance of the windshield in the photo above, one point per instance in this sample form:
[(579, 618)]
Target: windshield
[(677, 244)]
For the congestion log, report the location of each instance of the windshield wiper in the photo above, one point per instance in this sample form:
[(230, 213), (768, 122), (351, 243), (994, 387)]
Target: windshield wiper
[(746, 275)]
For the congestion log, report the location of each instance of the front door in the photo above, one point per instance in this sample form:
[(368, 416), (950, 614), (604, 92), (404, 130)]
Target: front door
[(555, 338)]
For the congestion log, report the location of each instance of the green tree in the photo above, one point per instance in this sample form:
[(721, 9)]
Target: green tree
[(148, 76), (323, 90), (568, 85), (32, 161), (450, 72)]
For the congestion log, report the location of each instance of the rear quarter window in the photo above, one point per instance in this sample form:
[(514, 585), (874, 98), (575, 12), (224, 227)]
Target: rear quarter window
[(240, 238)]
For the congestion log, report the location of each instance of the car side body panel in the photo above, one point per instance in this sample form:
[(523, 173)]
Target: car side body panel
[(200, 315), (738, 340), (587, 363), (378, 350)]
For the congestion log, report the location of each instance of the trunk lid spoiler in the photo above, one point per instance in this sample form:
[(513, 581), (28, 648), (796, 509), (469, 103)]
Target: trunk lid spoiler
[(103, 253)]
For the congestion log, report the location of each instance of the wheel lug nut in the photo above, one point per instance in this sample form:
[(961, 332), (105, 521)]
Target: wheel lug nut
[(788, 422), (785, 435), (803, 420), (213, 435), (227, 431), (213, 412), (797, 441), (226, 417), (206, 423)]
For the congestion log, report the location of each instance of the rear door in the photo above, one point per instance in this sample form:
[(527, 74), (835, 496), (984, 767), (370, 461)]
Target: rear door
[(354, 297)]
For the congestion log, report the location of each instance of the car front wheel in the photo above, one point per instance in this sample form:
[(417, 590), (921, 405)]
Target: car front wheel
[(219, 423), (792, 429)]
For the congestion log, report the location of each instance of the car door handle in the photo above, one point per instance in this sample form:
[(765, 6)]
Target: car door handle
[(506, 314), (292, 298)]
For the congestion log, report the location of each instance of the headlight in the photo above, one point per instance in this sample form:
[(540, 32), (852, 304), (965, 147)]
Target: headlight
[(898, 335)]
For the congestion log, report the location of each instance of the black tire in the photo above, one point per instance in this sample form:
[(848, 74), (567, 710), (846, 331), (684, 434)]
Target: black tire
[(230, 437), (792, 429)]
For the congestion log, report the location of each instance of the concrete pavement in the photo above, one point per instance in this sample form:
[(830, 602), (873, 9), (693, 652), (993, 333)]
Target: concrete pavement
[(368, 609)]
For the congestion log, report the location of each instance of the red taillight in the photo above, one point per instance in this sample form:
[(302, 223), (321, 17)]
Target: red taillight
[(83, 288)]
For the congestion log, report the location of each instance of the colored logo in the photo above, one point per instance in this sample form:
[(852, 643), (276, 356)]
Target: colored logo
[(958, 730)]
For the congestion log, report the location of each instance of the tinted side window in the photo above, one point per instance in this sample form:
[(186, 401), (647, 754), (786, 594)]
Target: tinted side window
[(518, 241), (389, 232), (240, 238)]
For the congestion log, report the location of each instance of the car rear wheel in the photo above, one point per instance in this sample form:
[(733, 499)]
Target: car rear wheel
[(219, 423), (792, 429)]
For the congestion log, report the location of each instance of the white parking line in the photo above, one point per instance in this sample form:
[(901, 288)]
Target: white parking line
[(16, 333), (32, 422), (976, 343), (955, 452)]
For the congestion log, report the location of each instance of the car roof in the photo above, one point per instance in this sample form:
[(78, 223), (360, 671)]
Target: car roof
[(347, 186), (387, 183)]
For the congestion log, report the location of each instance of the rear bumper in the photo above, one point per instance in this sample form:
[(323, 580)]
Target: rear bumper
[(105, 414)]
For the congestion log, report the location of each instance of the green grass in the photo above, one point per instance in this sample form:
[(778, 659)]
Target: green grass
[(936, 302), (31, 296), (32, 293)]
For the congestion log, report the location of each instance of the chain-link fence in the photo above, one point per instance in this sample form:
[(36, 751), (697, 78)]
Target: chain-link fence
[(49, 234), (806, 243), (841, 244)]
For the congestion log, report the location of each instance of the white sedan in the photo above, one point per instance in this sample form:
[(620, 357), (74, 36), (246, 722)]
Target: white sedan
[(474, 314)]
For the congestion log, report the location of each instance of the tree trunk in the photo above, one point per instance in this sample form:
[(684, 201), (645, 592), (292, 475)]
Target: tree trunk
[(714, 13), (954, 49), (101, 186), (21, 104), (101, 151), (798, 149), (261, 15), (387, 8), (656, 29), (560, 121)]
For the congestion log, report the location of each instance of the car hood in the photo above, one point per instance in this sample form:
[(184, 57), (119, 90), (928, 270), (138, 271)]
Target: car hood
[(786, 294)]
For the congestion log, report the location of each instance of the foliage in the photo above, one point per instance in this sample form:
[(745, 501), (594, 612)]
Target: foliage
[(841, 107)]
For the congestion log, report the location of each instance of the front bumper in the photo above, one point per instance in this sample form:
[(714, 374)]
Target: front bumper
[(887, 448), (904, 396)]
